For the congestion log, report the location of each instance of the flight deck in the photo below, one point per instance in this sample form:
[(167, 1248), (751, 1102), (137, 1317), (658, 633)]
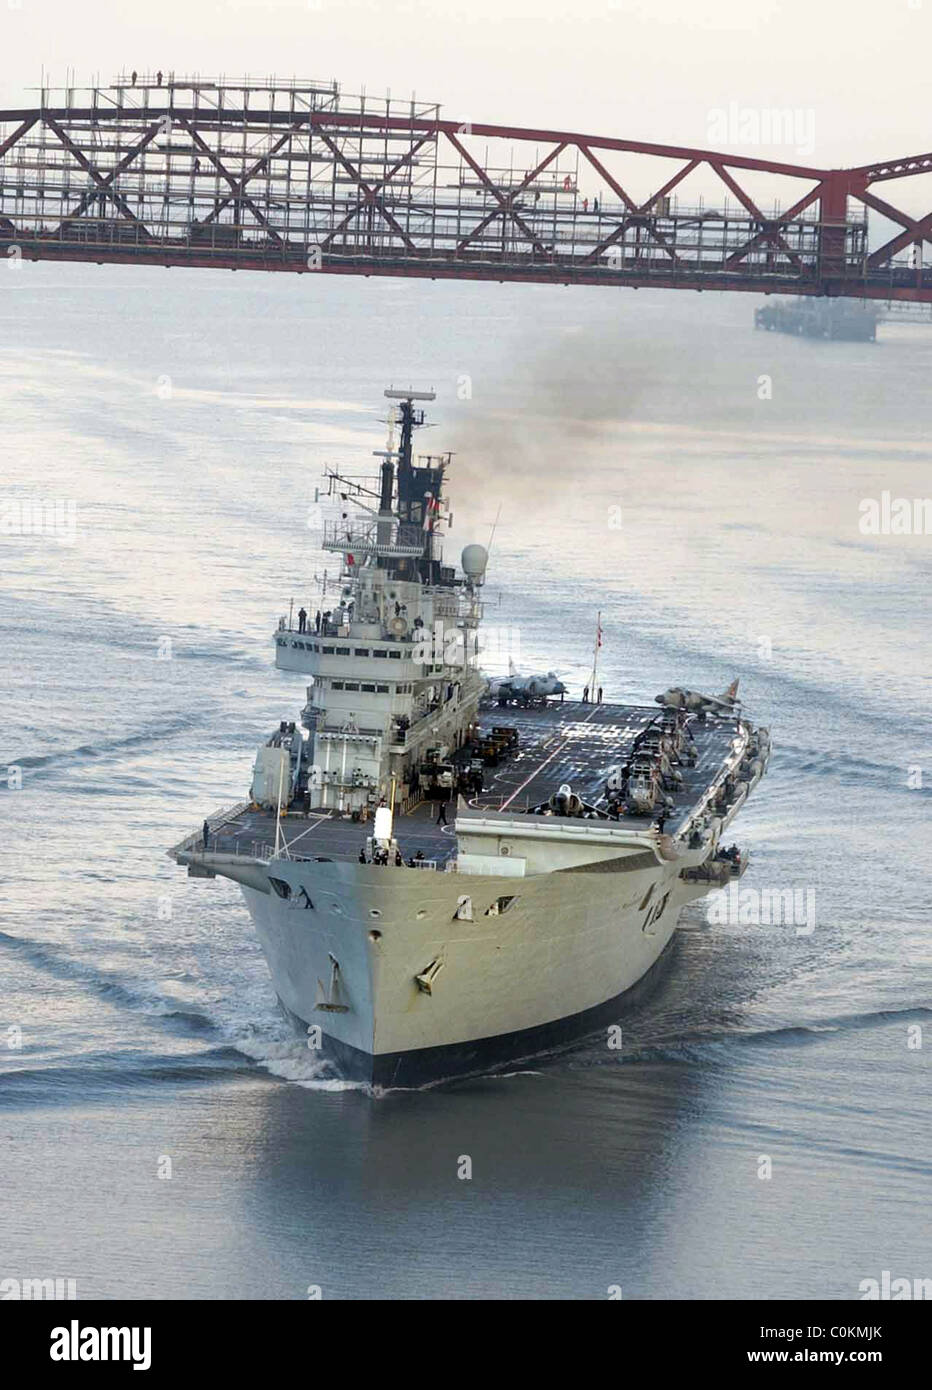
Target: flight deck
[(559, 742)]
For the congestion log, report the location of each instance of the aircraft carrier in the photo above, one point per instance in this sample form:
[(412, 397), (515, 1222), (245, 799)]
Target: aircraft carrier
[(449, 874)]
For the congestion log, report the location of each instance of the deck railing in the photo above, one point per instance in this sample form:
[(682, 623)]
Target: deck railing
[(215, 822)]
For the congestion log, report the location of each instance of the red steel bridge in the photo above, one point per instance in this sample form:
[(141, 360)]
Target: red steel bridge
[(295, 176)]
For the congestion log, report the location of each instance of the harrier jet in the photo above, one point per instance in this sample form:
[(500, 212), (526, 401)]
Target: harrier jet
[(677, 698), (515, 687)]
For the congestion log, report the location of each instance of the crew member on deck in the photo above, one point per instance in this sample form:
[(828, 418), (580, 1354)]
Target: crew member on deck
[(302, 620)]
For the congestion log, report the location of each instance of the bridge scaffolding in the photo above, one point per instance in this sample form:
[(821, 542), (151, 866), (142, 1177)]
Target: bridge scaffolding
[(295, 176)]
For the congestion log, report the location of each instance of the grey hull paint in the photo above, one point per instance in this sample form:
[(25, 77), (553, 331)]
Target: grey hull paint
[(513, 987), (483, 1056)]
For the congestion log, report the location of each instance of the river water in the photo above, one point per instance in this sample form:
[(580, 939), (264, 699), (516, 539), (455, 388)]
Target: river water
[(764, 1131)]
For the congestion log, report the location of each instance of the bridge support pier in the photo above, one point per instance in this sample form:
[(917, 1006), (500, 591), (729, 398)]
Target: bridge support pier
[(833, 212)]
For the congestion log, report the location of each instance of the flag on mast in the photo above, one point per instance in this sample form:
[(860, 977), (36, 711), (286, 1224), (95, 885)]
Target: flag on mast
[(431, 507), (594, 678)]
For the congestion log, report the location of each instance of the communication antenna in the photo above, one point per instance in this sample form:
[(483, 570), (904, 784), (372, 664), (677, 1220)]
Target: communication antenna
[(494, 524)]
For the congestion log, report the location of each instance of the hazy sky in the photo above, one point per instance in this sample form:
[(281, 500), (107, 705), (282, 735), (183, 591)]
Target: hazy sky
[(855, 70)]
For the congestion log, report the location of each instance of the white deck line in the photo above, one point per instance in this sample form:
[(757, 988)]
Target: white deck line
[(540, 767), (289, 843)]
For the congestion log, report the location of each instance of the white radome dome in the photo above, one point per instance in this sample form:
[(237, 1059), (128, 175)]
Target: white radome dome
[(474, 560)]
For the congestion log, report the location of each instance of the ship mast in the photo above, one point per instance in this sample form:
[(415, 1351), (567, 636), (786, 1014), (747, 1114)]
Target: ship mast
[(418, 488), (594, 678)]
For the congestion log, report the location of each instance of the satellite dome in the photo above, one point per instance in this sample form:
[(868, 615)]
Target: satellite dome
[(474, 560)]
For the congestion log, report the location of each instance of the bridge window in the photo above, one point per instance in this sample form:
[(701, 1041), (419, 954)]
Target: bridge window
[(351, 685), (326, 651), (336, 685), (342, 651), (376, 652), (382, 689), (396, 656), (370, 688), (360, 651)]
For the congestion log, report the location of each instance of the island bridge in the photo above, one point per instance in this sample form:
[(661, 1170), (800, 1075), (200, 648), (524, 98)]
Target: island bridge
[(296, 176)]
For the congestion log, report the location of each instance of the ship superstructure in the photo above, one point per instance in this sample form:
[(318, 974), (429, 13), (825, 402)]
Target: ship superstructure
[(447, 873), (395, 681)]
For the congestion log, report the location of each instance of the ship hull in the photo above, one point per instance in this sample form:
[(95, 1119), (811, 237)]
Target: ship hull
[(553, 967), (481, 1056)]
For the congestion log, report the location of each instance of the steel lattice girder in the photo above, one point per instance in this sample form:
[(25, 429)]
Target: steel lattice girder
[(392, 224)]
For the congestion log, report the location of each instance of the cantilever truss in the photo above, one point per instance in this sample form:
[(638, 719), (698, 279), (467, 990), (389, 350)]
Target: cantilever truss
[(296, 177)]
